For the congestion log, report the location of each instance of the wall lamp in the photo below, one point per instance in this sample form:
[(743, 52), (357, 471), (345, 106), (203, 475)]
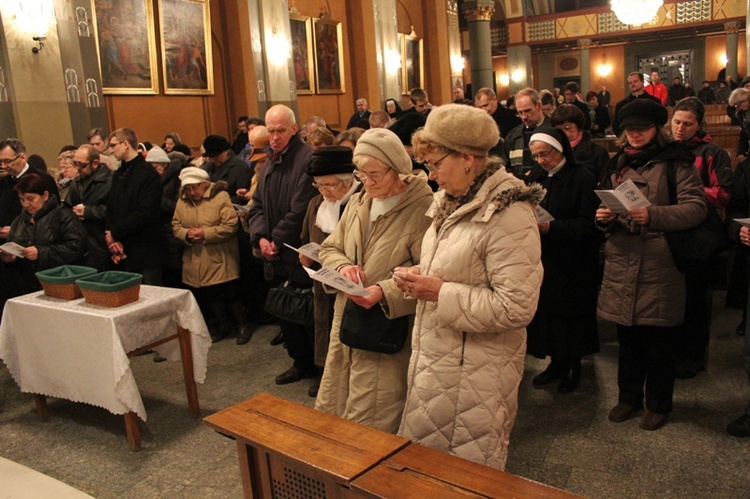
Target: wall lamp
[(40, 45)]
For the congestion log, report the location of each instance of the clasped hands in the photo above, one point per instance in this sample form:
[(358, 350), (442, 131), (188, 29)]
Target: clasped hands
[(415, 285)]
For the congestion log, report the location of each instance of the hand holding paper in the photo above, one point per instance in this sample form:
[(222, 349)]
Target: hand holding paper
[(334, 279)]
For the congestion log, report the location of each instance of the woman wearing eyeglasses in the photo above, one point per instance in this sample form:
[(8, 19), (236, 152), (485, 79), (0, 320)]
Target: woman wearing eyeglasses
[(564, 326), (331, 170), (476, 286), (381, 228), (642, 291)]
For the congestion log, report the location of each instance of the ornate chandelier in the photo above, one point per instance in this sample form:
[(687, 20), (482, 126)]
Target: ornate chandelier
[(635, 12)]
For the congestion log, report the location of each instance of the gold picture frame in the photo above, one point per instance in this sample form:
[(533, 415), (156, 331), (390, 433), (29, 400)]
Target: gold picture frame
[(185, 35), (302, 54), (329, 57), (126, 46), (412, 64)]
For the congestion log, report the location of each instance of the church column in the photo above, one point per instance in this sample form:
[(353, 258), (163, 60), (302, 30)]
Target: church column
[(585, 45), (478, 13), (384, 77), (732, 30), (519, 68)]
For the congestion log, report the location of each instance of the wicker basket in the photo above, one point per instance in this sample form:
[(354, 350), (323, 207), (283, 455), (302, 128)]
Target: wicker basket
[(111, 289), (59, 282)]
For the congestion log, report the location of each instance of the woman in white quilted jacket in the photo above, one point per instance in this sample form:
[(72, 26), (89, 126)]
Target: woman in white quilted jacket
[(477, 288)]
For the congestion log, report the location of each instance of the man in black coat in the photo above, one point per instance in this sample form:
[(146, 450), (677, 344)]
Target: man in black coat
[(635, 84), (276, 217), (224, 165), (87, 197), (362, 114), (604, 97), (570, 92), (132, 224)]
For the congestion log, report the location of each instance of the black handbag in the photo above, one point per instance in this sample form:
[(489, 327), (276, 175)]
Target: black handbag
[(694, 247), (290, 304), (371, 330)]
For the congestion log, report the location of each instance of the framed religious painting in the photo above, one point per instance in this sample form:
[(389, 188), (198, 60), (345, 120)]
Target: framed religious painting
[(302, 53), (125, 42), (413, 63), (329, 57), (186, 47)]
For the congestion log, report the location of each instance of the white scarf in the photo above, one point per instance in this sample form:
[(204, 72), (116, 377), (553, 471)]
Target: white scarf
[(330, 211)]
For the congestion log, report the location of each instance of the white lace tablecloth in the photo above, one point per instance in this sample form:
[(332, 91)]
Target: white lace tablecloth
[(78, 351)]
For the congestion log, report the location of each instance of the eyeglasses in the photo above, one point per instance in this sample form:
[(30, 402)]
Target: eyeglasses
[(8, 162), (375, 176), (541, 155), (327, 187), (79, 164), (435, 167)]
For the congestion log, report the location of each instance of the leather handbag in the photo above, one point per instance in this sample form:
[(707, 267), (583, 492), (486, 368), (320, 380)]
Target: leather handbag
[(371, 330), (290, 303), (694, 247)]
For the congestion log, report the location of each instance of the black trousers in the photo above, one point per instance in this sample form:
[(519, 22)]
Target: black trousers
[(646, 356), (692, 341)]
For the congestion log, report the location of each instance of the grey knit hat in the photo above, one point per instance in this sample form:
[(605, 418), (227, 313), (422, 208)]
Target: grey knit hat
[(157, 155), (461, 128), (385, 146)]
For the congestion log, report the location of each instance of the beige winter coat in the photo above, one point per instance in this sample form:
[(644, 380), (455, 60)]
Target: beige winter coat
[(468, 347), (217, 258), (369, 387)]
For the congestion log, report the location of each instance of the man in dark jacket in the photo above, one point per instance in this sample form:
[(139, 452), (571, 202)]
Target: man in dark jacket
[(362, 114), (570, 91), (516, 146), (505, 119), (87, 197), (224, 165), (635, 84), (132, 224), (276, 217)]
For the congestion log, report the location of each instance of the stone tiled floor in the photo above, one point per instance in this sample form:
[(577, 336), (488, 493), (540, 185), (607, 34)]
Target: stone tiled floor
[(562, 440)]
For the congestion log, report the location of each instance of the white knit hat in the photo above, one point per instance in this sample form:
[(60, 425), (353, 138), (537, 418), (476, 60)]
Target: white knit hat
[(157, 155), (193, 175), (385, 146)]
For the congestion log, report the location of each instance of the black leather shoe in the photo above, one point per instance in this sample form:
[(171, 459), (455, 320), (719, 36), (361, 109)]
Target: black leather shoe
[(313, 390), (547, 376), (296, 374), (278, 339), (569, 382), (246, 332)]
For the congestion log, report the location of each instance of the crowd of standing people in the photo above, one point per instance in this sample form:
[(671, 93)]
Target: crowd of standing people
[(473, 229)]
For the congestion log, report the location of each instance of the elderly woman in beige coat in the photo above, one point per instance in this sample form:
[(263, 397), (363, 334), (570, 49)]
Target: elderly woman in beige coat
[(206, 223), (477, 287), (381, 228)]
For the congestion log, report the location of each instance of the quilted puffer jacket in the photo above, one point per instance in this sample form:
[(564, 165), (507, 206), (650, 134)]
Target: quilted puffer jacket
[(468, 347)]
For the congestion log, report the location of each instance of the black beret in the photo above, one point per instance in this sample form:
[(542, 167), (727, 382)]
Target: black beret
[(330, 160), (643, 112), (215, 145)]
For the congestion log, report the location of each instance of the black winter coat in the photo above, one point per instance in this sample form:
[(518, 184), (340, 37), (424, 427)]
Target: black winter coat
[(236, 173), (133, 214), (59, 237), (93, 193), (280, 203)]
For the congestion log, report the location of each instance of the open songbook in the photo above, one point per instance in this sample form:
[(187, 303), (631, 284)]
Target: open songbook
[(13, 249), (626, 197), (310, 250), (336, 280)]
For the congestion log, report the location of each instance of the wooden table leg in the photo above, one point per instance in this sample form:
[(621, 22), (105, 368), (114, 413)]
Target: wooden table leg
[(186, 352), (131, 428), (41, 406)]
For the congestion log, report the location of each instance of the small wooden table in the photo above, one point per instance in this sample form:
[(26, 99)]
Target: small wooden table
[(292, 451), (80, 352)]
